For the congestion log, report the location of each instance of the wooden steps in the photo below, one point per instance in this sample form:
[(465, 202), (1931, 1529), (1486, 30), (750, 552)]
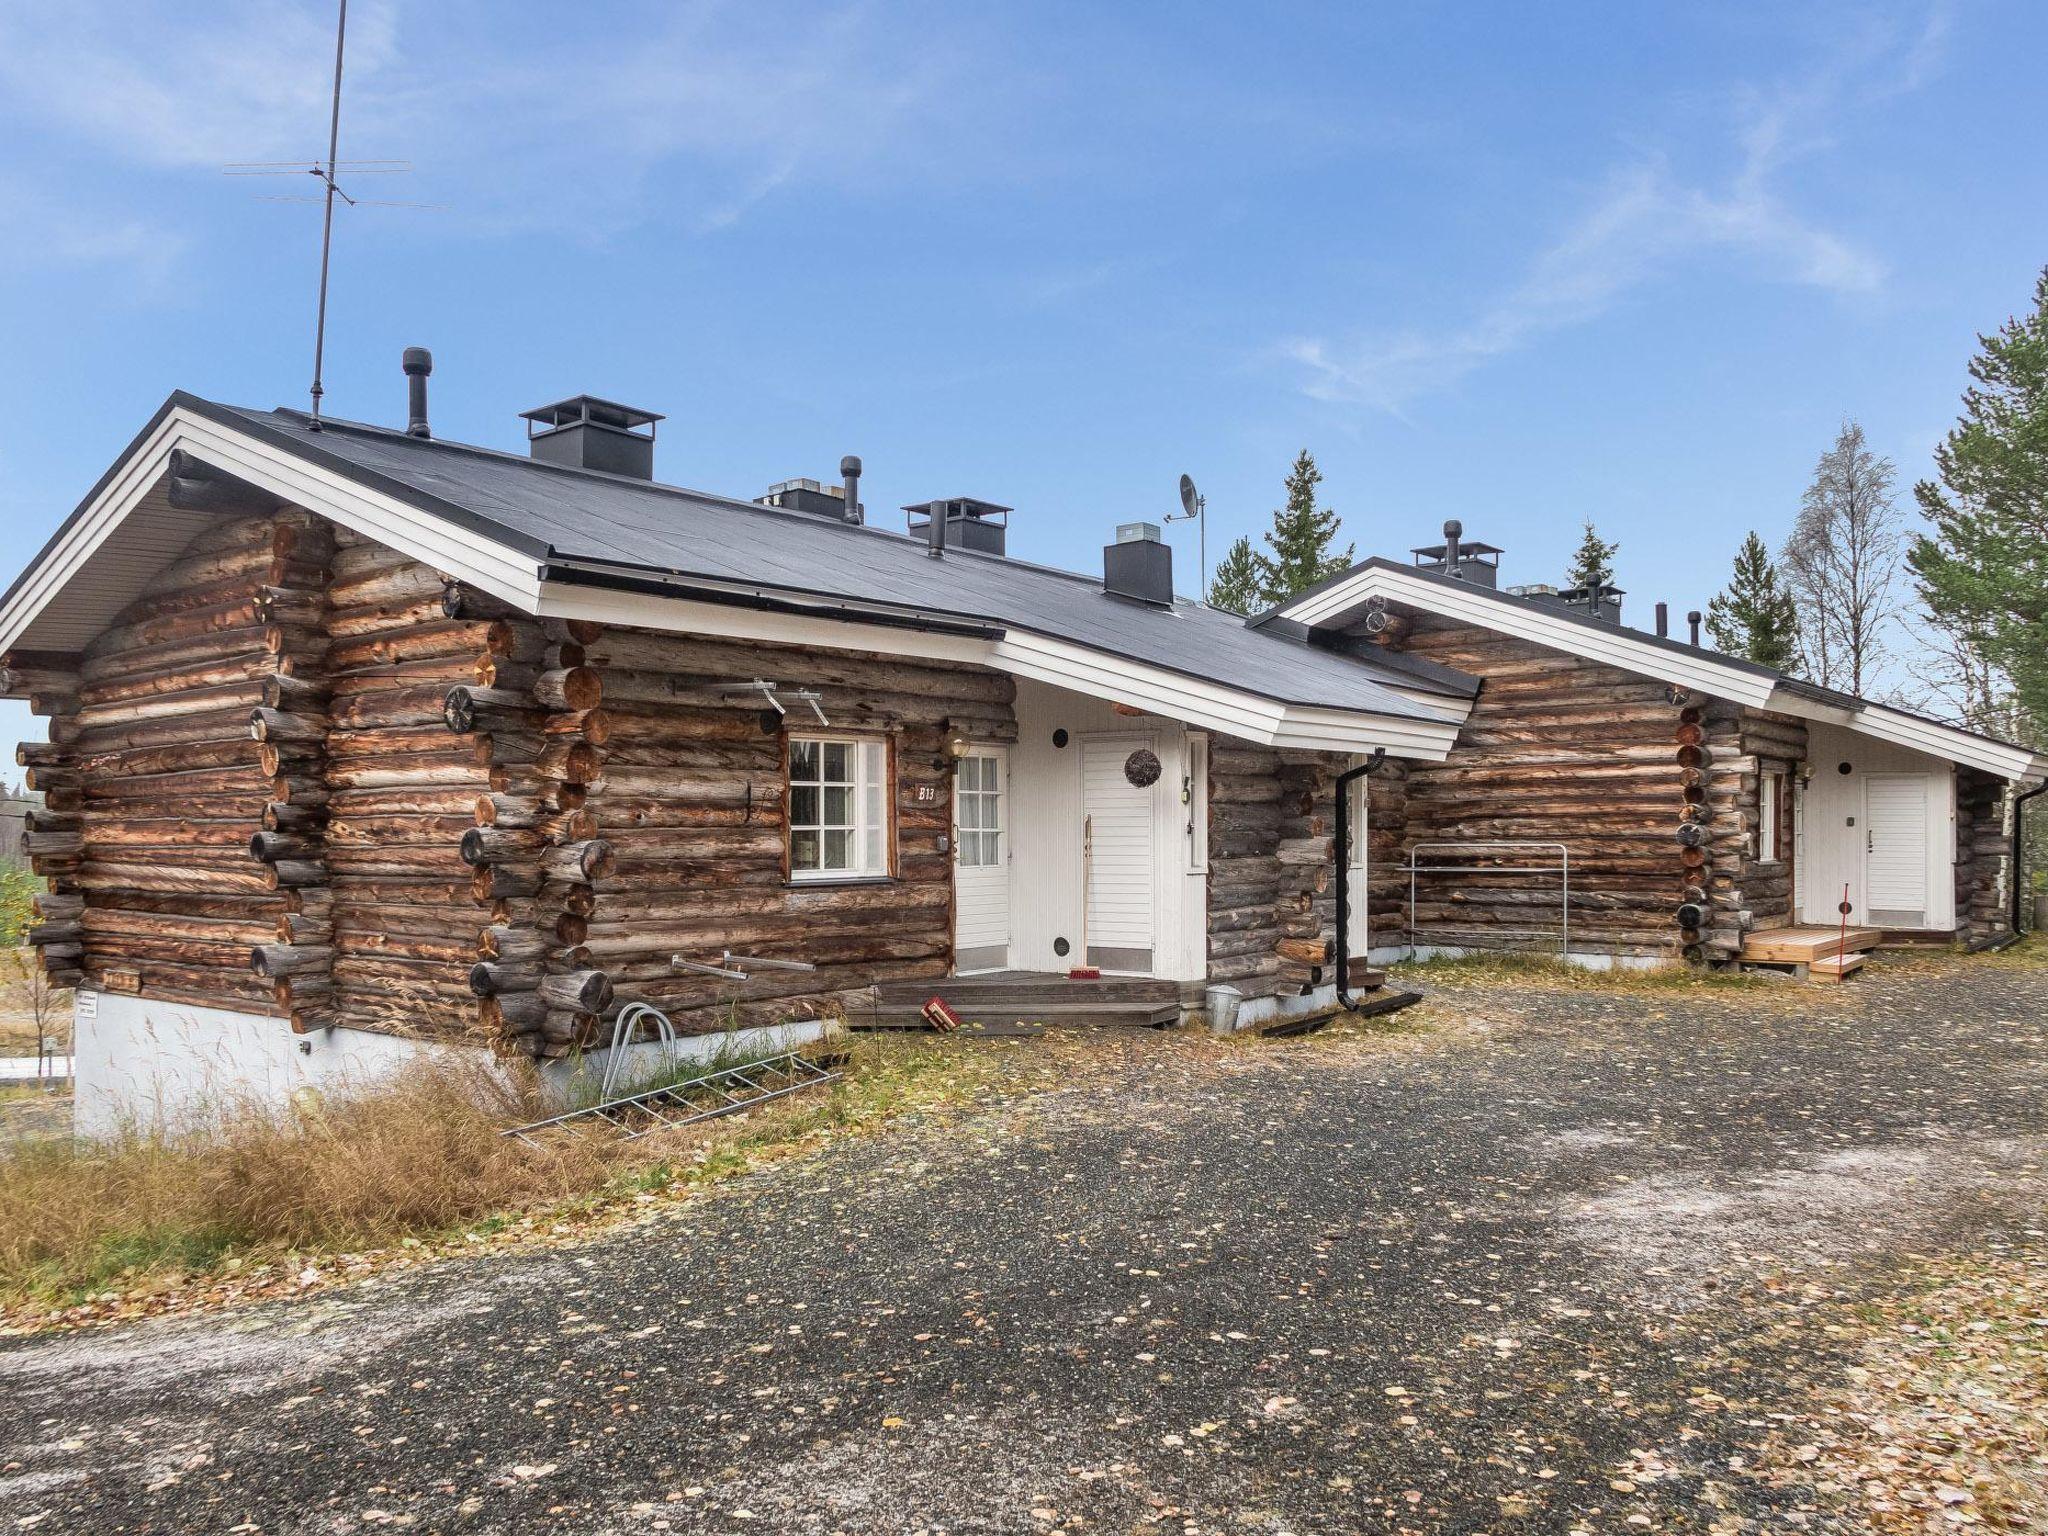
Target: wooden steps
[(1834, 968), (1816, 954), (1026, 1003)]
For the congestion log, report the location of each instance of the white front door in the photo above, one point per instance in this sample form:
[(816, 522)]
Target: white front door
[(1119, 856), (1895, 849), (1358, 870), (981, 860)]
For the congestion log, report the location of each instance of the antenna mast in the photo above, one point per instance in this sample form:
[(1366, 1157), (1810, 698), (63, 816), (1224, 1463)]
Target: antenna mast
[(327, 215)]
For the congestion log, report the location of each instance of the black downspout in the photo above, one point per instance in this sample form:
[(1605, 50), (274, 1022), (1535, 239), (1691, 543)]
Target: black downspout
[(1379, 756), (2019, 850)]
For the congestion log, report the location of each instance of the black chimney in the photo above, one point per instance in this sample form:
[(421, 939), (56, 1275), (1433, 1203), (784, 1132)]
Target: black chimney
[(1461, 560), (1663, 621), (585, 432), (849, 482), (963, 523), (1692, 620), (1139, 565), (417, 362)]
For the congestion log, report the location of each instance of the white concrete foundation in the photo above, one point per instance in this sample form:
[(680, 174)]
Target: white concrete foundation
[(143, 1062)]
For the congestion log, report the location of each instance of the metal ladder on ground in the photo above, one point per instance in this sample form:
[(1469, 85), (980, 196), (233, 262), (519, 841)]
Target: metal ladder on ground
[(729, 1091)]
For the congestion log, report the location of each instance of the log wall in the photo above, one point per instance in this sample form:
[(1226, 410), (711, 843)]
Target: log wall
[(1272, 850), (158, 769), (692, 800), (1983, 855), (1559, 749)]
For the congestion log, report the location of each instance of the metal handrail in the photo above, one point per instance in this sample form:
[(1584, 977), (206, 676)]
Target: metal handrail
[(1562, 869)]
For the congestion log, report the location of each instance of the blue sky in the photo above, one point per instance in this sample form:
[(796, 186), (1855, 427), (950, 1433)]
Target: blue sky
[(1514, 264)]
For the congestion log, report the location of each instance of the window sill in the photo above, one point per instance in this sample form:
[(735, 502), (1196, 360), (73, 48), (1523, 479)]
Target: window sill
[(834, 882)]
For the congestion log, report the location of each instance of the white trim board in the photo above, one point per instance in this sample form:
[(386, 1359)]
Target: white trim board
[(1699, 671)]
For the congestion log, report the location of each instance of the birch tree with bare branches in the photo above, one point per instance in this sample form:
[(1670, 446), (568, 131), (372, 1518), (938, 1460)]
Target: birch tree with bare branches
[(1842, 563)]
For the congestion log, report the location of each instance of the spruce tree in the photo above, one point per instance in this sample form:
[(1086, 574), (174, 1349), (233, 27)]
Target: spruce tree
[(1300, 538), (1593, 565), (1235, 585), (1983, 571), (1754, 616)]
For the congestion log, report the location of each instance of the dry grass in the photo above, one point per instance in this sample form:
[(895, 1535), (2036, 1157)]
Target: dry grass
[(1494, 968), (418, 1155), (417, 1163)]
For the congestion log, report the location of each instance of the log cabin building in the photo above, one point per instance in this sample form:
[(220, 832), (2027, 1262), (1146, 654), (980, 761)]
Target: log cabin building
[(1702, 806), (364, 742)]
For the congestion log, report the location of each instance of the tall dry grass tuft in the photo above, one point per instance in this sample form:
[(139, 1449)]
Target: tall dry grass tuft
[(415, 1155)]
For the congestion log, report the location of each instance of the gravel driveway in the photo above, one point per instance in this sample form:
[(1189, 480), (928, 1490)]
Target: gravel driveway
[(1524, 1263)]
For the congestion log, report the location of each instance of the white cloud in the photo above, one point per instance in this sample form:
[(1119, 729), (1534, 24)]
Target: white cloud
[(558, 127), (1645, 221)]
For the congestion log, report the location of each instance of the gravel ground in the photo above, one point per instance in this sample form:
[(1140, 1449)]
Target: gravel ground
[(1523, 1262)]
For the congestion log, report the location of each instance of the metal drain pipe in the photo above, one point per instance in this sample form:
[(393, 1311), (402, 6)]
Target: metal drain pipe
[(1344, 780), (2019, 849)]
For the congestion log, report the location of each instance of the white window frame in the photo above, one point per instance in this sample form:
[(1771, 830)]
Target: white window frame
[(870, 800), (996, 798), (1195, 796), (1770, 800)]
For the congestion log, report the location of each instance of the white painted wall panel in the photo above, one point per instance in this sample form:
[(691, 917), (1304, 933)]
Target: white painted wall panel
[(1834, 826)]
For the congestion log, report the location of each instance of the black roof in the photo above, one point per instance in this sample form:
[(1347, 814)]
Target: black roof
[(586, 526)]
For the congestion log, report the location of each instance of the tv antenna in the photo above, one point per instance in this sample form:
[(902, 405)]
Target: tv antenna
[(327, 170), (1193, 504)]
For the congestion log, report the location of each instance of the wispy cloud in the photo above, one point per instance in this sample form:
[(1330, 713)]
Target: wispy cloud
[(1646, 220), (516, 130)]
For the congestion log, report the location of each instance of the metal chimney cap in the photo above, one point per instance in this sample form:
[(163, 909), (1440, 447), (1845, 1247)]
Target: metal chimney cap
[(1453, 529), (1138, 533), (416, 360), (850, 465), (590, 410)]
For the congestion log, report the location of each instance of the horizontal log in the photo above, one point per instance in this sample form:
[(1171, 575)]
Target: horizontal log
[(290, 959)]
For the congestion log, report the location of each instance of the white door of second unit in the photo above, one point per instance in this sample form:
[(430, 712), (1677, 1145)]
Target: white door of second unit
[(1119, 825), (981, 860), (1895, 850)]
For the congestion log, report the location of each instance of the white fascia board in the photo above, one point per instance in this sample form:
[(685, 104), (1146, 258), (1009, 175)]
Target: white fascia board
[(1022, 654), (1694, 670), (470, 557), (1935, 739), (827, 631)]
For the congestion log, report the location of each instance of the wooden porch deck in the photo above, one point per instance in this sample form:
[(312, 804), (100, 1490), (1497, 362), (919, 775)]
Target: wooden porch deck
[(1814, 952)]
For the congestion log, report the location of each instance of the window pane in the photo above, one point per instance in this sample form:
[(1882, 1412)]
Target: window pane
[(838, 762), (970, 772), (803, 850), (803, 806), (838, 807), (803, 760), (873, 859), (838, 847)]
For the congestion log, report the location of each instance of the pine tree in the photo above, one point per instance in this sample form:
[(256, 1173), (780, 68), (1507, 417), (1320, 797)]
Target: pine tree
[(1983, 572), (1236, 585), (1754, 616), (1593, 566), (1299, 539)]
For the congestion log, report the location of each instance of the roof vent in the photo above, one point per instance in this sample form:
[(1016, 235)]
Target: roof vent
[(961, 522), (1139, 565), (1474, 562), (585, 432), (809, 496)]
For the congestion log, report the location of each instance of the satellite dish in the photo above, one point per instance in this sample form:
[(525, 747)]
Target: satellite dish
[(1190, 503)]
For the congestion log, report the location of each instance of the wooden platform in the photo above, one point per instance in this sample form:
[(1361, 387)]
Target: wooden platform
[(1806, 944), (1026, 1003), (1813, 953)]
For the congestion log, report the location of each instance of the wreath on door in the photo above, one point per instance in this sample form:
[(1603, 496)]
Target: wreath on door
[(1142, 768)]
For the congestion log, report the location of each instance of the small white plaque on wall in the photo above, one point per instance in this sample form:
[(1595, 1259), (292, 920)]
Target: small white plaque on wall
[(85, 1005)]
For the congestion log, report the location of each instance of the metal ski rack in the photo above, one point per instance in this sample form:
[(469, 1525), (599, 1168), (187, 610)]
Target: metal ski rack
[(691, 1102)]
